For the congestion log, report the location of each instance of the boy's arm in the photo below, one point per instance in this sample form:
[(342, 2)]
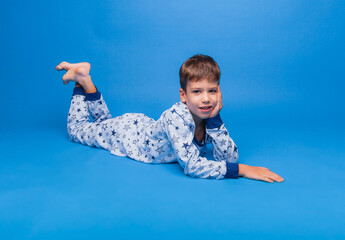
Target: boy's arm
[(181, 138), (224, 147)]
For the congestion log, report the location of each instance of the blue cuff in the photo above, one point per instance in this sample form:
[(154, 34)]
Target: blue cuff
[(93, 96), (231, 170), (214, 122), (78, 91)]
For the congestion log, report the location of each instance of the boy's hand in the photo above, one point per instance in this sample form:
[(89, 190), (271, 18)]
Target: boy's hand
[(219, 105), (258, 173)]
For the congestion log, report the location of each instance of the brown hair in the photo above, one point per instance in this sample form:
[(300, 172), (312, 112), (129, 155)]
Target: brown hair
[(198, 67)]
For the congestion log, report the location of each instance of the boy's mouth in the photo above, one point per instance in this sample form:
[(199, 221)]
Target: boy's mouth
[(205, 109)]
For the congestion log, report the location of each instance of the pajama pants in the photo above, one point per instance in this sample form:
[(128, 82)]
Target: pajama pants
[(133, 134)]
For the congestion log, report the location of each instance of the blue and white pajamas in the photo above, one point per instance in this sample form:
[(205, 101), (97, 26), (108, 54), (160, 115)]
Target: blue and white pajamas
[(169, 139)]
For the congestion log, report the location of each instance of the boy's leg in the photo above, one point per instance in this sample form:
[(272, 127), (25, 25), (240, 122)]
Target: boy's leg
[(98, 133), (79, 127), (78, 123), (79, 73), (97, 107)]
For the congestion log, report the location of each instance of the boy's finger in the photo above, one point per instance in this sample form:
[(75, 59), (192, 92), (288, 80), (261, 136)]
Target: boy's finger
[(266, 179), (276, 177), (220, 100)]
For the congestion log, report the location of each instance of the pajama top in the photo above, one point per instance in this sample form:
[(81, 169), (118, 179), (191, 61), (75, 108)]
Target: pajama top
[(169, 139)]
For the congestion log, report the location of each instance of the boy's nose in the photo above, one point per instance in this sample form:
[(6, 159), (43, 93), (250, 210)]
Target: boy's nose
[(205, 98)]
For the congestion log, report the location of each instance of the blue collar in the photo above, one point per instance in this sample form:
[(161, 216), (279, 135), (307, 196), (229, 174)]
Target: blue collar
[(200, 144)]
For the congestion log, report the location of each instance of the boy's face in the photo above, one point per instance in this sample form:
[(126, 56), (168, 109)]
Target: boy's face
[(201, 97)]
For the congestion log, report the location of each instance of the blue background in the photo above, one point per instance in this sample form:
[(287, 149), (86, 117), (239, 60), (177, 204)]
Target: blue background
[(282, 81)]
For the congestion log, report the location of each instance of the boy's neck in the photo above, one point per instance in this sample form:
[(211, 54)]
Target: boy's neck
[(199, 128)]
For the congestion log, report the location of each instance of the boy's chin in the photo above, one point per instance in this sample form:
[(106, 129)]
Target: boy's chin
[(204, 117), (201, 116)]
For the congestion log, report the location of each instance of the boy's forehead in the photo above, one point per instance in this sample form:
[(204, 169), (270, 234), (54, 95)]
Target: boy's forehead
[(202, 83)]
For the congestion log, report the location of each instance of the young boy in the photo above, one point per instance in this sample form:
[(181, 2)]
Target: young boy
[(180, 134)]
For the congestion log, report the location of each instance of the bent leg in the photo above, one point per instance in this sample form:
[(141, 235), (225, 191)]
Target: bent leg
[(99, 133), (85, 98), (78, 121), (97, 107)]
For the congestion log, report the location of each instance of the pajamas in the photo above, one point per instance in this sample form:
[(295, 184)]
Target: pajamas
[(169, 139)]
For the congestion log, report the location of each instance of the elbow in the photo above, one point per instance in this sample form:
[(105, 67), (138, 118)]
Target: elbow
[(191, 171), (195, 172), (72, 132)]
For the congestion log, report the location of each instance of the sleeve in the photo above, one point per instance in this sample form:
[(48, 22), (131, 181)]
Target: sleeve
[(224, 147), (180, 134)]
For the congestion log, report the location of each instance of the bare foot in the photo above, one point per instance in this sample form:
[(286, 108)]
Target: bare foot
[(76, 72), (79, 73)]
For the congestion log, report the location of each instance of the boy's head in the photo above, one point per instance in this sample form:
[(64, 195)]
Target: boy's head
[(199, 79), (197, 68)]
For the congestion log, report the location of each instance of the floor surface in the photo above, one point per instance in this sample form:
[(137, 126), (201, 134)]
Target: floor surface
[(53, 188)]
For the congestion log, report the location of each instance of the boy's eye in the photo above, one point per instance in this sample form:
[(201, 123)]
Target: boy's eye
[(196, 91), (213, 91)]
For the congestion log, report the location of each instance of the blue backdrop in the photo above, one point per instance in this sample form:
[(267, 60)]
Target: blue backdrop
[(282, 81)]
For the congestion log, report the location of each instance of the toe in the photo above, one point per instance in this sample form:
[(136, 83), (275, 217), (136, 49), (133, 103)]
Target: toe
[(63, 65), (67, 76)]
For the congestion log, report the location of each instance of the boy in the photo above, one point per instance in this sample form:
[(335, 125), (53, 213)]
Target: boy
[(180, 134)]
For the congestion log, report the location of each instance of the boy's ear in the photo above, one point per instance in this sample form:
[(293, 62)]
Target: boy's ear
[(182, 95)]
